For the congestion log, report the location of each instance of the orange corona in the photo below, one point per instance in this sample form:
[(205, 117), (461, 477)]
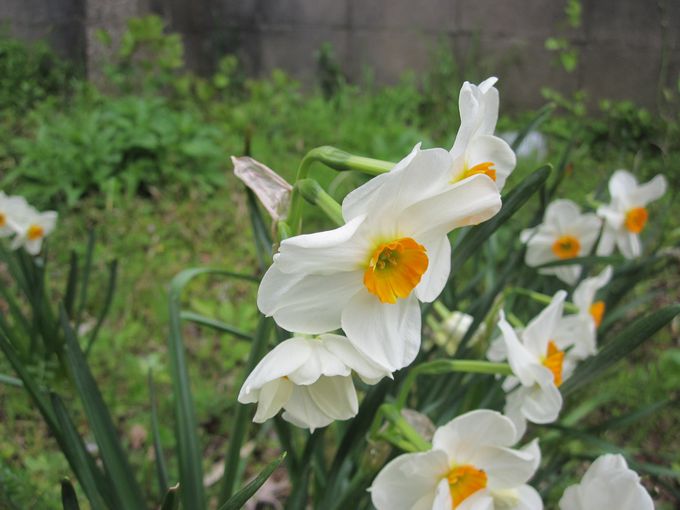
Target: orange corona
[(395, 268), (597, 310), (566, 247), (34, 232), (464, 481), (553, 361), (636, 219)]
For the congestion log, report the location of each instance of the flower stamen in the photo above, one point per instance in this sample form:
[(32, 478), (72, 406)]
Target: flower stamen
[(485, 168), (395, 268), (464, 481), (636, 219), (566, 247)]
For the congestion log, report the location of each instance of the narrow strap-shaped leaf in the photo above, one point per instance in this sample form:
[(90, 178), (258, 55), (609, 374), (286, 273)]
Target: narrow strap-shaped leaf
[(215, 324), (242, 418), (110, 290), (71, 284), (161, 467), (512, 202), (629, 418), (171, 499), (188, 449), (119, 471), (238, 500), (624, 343), (85, 282), (69, 500), (541, 116), (82, 463)]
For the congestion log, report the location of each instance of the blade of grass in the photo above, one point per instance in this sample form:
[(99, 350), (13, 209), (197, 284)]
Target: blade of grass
[(127, 491), (238, 500), (110, 290), (161, 467), (85, 282), (625, 342), (71, 284)]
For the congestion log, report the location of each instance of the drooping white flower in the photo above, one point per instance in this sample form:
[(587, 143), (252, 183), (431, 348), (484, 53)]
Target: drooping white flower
[(626, 216), (369, 275), (11, 208), (31, 227), (577, 333), (564, 234), (607, 485), (537, 365), (311, 379), (476, 149), (272, 189), (471, 466)]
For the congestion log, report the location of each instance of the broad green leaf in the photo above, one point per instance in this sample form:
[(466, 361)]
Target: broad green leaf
[(127, 491), (624, 343), (81, 462), (238, 500), (473, 238), (69, 500)]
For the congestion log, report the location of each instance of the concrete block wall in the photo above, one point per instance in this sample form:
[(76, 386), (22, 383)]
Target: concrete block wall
[(622, 43)]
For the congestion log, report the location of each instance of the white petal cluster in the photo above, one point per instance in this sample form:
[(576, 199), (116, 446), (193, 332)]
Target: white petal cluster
[(607, 485), (565, 233), (626, 216), (310, 379), (28, 226), (471, 466)]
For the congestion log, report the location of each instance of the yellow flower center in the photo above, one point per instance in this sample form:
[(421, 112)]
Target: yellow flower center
[(597, 310), (464, 481), (395, 268), (566, 247), (3, 220), (35, 232), (485, 168), (636, 219), (553, 361)]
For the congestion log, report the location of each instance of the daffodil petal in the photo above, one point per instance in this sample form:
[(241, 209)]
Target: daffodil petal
[(434, 280), (538, 332), (495, 150)]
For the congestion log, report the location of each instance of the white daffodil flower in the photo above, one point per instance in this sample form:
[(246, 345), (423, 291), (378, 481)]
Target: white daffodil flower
[(11, 208), (369, 275), (537, 364), (564, 234), (607, 485), (30, 228), (476, 150), (577, 333), (311, 379), (626, 216), (471, 466)]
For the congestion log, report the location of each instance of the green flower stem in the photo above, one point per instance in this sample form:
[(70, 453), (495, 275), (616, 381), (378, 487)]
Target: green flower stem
[(445, 366), (316, 195), (405, 430), (515, 321), (336, 159), (540, 298), (441, 310)]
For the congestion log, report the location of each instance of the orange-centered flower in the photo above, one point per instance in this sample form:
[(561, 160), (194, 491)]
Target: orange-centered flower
[(395, 268), (35, 232), (566, 247), (485, 168), (553, 361), (2, 220), (464, 481), (636, 219), (597, 310)]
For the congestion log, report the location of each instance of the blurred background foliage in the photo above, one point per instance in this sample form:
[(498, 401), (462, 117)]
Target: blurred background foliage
[(144, 160)]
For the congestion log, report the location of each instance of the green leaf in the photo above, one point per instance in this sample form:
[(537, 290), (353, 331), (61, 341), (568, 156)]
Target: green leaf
[(161, 468), (85, 282), (82, 463), (624, 343), (110, 290), (127, 493), (188, 448), (69, 500), (238, 500), (540, 117), (263, 241), (171, 499), (10, 381), (242, 418), (215, 324), (473, 239), (71, 284)]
